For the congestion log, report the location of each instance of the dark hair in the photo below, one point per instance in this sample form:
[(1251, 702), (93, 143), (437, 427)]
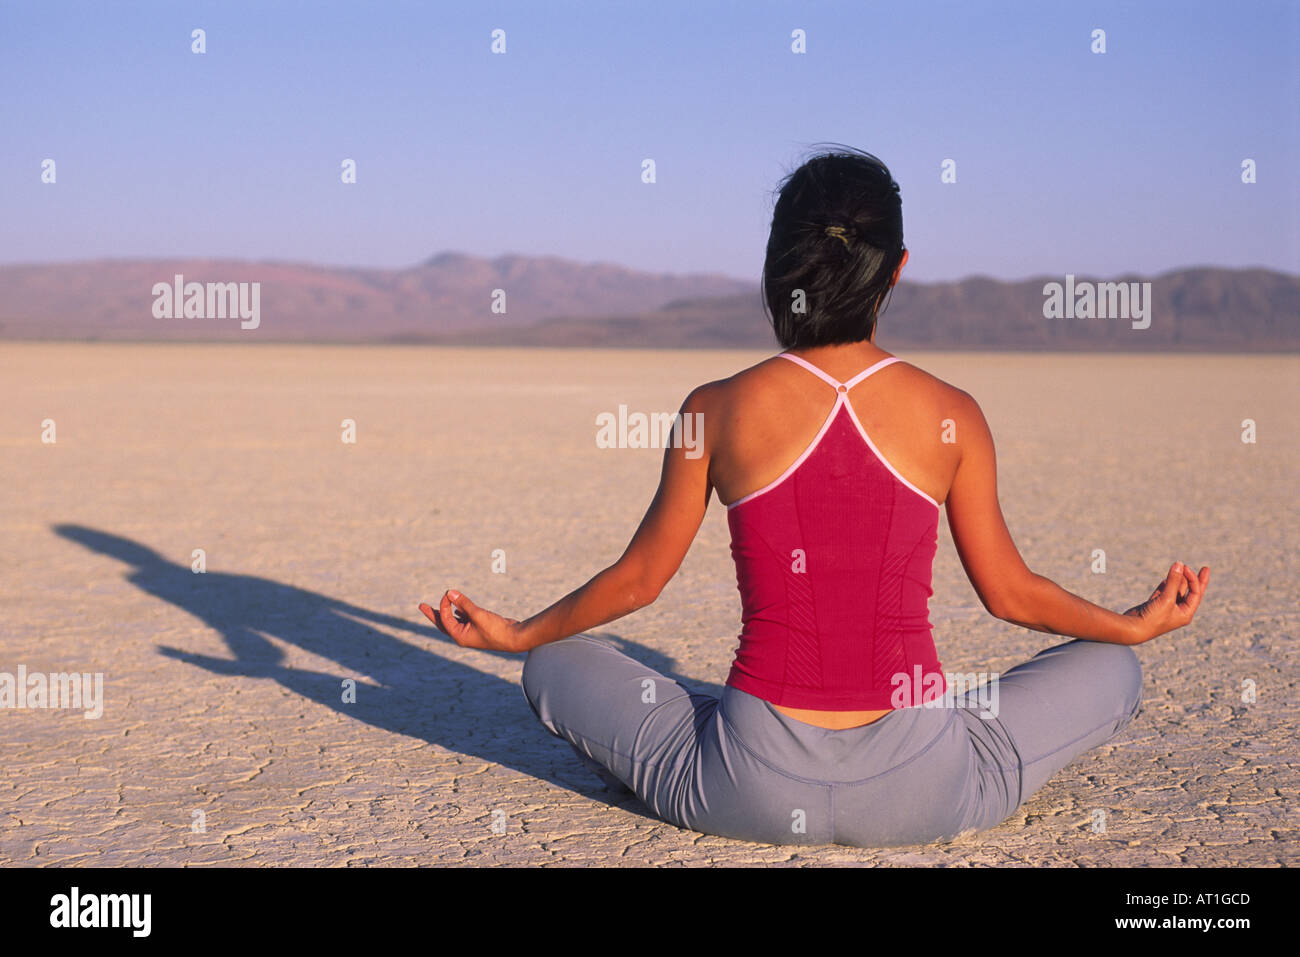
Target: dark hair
[(845, 272)]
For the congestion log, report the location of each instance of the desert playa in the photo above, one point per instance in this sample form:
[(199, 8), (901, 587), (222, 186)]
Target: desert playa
[(290, 705)]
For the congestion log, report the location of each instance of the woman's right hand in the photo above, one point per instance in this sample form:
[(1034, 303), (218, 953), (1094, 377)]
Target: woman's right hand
[(1172, 604)]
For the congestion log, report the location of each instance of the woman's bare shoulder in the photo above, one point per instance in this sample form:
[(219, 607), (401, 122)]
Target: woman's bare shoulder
[(942, 393), (924, 376), (742, 383), (959, 414)]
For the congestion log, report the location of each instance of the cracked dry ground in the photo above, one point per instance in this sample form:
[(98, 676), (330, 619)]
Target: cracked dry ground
[(223, 702)]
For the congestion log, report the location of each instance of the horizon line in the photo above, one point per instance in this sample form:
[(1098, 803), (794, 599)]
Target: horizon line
[(450, 253)]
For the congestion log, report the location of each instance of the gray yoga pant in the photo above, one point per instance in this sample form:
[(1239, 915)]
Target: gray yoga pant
[(736, 767)]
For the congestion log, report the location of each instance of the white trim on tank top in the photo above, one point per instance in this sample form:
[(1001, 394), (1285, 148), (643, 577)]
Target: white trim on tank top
[(841, 398)]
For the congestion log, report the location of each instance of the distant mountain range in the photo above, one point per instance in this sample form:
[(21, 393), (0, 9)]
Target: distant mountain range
[(549, 301), (1193, 310)]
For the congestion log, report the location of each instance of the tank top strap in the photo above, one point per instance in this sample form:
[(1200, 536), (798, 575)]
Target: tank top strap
[(871, 371), (836, 383), (813, 369)]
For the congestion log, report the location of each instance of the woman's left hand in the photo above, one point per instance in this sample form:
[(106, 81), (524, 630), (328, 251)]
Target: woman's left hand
[(471, 626)]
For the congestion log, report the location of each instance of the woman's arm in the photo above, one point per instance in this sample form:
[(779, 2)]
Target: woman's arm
[(648, 563), (1010, 591)]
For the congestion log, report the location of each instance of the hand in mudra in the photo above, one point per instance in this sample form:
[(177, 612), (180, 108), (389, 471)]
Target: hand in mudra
[(471, 626), (1174, 601)]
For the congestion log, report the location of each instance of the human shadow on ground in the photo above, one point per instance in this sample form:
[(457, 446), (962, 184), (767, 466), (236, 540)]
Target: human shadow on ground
[(411, 691)]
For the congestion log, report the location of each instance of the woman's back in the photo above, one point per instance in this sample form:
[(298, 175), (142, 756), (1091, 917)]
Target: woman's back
[(833, 485), (765, 417)]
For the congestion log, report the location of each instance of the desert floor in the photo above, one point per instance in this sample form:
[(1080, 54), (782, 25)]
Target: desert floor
[(225, 738)]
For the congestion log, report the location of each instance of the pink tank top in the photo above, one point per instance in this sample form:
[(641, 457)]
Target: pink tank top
[(833, 562)]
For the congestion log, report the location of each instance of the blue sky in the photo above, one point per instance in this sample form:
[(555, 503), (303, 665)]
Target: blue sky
[(1067, 161)]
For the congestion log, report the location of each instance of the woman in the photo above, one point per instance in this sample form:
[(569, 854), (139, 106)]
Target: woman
[(837, 724)]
